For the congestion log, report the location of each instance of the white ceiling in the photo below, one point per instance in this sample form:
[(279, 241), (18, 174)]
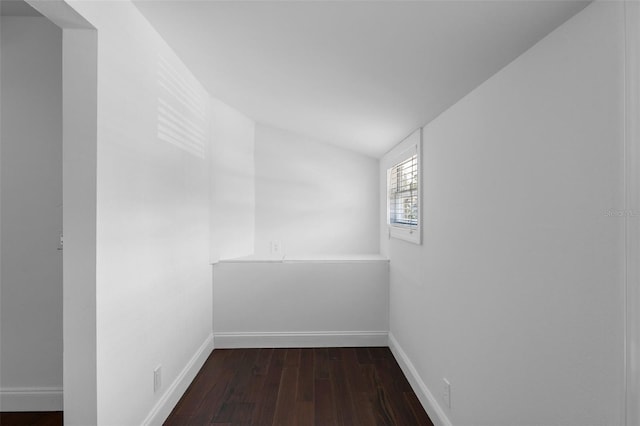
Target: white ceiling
[(17, 8), (357, 74)]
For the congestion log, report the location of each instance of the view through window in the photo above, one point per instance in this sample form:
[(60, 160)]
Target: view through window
[(403, 192)]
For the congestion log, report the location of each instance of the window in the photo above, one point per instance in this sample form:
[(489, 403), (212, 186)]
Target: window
[(403, 192), (403, 189)]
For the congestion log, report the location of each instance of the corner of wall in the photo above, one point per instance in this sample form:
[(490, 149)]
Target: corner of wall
[(427, 399), (174, 392)]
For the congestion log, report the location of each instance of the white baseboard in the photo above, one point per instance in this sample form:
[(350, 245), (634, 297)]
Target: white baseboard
[(31, 399), (301, 339), (170, 398), (429, 402)]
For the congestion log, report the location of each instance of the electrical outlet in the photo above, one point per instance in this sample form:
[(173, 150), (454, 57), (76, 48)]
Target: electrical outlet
[(446, 392), (276, 248), (157, 378)]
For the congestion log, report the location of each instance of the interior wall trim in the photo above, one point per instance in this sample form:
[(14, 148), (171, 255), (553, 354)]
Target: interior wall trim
[(431, 405), (31, 399), (230, 340), (174, 392)]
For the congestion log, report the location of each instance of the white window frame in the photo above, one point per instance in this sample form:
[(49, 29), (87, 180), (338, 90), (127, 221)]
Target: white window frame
[(405, 149)]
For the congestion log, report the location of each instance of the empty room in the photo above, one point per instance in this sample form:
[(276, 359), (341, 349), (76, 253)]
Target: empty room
[(274, 212)]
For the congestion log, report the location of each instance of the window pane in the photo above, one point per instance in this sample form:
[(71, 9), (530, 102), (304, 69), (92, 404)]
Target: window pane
[(403, 192)]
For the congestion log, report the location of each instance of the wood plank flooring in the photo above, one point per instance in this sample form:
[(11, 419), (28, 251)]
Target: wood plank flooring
[(309, 386), (315, 387), (45, 418)]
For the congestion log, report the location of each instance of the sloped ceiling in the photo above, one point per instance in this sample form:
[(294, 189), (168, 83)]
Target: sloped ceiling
[(17, 8), (358, 74)]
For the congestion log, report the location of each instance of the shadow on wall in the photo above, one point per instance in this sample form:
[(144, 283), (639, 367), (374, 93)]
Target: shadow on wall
[(182, 111)]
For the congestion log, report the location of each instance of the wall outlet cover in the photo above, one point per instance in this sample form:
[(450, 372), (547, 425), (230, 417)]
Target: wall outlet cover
[(157, 378), (446, 392)]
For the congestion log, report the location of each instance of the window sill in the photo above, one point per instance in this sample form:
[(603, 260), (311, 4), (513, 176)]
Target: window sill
[(405, 234)]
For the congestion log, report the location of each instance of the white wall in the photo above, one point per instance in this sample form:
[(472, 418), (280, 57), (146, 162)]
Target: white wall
[(153, 285), (301, 303), (31, 167), (516, 295), (232, 183), (632, 172), (313, 198), (79, 69)]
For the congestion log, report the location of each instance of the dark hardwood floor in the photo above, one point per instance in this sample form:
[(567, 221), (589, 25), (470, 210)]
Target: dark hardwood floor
[(327, 386), (49, 418)]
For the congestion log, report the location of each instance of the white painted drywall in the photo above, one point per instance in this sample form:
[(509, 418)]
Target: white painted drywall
[(31, 191), (80, 66), (301, 297), (516, 294), (313, 198), (153, 285), (232, 183), (632, 173)]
